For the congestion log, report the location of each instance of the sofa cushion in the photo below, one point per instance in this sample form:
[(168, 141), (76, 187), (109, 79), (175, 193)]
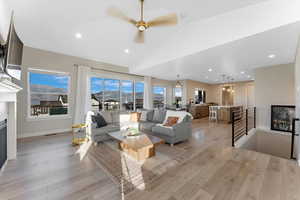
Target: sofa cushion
[(115, 115), (146, 126), (106, 129), (107, 116), (164, 130), (159, 115)]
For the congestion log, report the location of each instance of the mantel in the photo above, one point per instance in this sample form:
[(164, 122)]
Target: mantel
[(8, 90), (6, 86)]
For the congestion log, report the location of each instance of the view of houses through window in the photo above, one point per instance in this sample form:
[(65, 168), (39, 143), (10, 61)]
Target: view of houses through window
[(178, 96), (113, 94), (48, 94), (159, 97)]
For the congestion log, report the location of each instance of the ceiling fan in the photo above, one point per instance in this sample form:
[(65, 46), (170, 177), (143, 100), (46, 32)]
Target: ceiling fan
[(142, 25)]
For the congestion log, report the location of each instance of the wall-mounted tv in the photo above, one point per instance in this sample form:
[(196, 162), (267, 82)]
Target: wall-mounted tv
[(11, 53)]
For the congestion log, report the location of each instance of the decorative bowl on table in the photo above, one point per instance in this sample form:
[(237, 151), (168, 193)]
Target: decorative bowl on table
[(132, 132)]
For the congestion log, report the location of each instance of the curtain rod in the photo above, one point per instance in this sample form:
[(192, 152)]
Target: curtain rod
[(107, 70)]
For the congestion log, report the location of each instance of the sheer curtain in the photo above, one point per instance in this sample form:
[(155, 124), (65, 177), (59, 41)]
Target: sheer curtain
[(148, 100), (83, 94)]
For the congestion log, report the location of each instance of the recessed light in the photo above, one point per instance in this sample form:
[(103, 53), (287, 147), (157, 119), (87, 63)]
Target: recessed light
[(272, 56), (242, 72), (206, 77), (126, 51), (210, 69), (78, 35), (249, 76)]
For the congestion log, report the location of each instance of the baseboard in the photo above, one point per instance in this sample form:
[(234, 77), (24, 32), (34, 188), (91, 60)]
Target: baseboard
[(3, 167), (25, 135)]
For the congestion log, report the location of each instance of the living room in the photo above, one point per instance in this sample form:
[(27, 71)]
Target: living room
[(97, 114)]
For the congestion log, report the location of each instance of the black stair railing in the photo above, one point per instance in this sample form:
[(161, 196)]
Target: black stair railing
[(242, 122), (293, 137)]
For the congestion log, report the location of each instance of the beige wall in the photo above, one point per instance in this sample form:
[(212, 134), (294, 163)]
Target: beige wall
[(35, 58), (273, 85), (192, 85)]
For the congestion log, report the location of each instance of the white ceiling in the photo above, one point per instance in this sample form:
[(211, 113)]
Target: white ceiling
[(211, 33)]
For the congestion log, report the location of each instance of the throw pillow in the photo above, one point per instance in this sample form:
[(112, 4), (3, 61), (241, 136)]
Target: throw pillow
[(143, 115), (99, 119), (171, 121), (159, 115)]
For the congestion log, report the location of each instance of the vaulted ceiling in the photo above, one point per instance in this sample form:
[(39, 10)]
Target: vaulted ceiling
[(231, 37)]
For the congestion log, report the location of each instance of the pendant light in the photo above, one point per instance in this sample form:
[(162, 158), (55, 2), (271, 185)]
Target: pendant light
[(178, 84)]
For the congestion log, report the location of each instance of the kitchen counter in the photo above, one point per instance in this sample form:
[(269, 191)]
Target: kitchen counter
[(225, 112)]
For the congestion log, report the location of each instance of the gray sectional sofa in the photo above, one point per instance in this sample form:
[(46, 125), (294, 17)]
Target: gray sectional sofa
[(153, 121)]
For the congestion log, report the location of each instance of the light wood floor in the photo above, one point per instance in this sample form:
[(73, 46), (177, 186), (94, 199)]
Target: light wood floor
[(49, 168)]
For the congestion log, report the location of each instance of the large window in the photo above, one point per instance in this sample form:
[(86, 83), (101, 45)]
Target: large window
[(159, 97), (48, 94), (127, 95), (97, 91), (139, 95), (112, 94)]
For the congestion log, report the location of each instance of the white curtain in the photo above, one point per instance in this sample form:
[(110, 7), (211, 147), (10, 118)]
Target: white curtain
[(83, 93), (148, 98)]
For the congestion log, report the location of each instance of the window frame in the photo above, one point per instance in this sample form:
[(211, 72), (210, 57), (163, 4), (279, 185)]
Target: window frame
[(45, 71)]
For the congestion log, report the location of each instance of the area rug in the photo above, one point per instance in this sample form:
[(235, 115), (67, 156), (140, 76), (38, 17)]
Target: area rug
[(131, 174)]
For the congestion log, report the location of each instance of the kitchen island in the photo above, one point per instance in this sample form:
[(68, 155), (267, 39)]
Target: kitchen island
[(224, 113)]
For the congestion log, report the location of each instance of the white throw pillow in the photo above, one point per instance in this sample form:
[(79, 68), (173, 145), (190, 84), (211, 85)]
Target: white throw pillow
[(143, 115)]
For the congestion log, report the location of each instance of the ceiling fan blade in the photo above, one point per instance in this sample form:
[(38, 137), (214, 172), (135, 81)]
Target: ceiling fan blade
[(117, 13), (167, 20), (140, 37)]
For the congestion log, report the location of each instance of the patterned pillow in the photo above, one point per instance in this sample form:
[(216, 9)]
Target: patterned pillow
[(171, 121)]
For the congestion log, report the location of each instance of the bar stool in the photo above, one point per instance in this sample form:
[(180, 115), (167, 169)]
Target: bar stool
[(213, 113)]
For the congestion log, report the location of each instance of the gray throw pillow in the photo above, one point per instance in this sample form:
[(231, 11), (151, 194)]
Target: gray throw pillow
[(99, 120), (150, 115), (159, 116)]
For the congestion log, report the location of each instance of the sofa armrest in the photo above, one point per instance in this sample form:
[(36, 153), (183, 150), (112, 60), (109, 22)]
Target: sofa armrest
[(183, 129)]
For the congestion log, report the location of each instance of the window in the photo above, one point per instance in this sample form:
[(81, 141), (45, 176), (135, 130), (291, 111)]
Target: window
[(97, 91), (200, 96), (112, 94), (48, 94), (127, 95), (159, 97), (139, 95), (178, 96)]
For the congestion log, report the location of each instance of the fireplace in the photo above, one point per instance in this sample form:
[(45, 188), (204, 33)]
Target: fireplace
[(3, 142), (282, 117)]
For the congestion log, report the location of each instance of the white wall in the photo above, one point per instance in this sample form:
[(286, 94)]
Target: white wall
[(273, 85), (35, 58), (243, 95)]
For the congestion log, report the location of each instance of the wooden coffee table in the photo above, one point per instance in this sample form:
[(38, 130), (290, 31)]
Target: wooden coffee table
[(140, 147)]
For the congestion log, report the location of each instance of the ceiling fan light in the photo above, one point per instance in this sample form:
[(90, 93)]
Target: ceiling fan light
[(142, 28)]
